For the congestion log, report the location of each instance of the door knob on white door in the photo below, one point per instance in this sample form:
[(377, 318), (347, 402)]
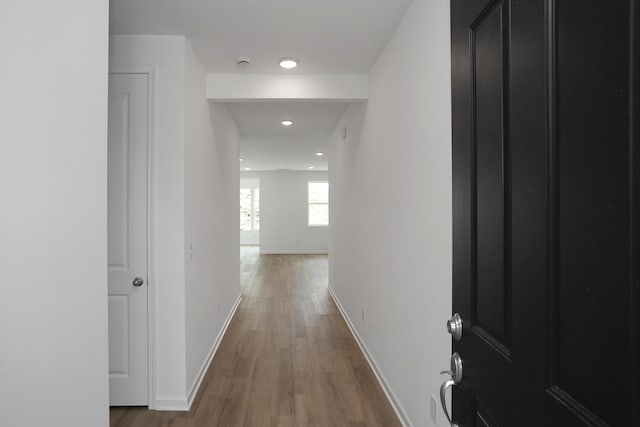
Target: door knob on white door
[(138, 281)]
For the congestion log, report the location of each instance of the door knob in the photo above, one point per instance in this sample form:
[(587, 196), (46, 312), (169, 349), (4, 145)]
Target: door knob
[(138, 281), (454, 326), (455, 378)]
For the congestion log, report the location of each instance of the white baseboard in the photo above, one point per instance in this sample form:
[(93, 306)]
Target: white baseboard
[(397, 407), (184, 404), (294, 252), (171, 404), (214, 348)]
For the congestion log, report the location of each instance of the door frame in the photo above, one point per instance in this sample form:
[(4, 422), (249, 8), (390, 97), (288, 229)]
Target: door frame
[(152, 338)]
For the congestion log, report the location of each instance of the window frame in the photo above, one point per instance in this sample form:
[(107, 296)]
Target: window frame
[(309, 203)]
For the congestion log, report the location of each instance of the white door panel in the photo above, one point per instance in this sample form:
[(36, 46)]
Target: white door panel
[(127, 225)]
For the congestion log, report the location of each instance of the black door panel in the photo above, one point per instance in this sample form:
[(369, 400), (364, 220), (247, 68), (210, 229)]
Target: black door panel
[(546, 211)]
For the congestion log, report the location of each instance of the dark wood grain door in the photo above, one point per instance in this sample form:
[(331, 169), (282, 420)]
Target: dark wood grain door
[(546, 181)]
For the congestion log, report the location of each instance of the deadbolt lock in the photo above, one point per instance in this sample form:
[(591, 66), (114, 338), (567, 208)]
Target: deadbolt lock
[(454, 327)]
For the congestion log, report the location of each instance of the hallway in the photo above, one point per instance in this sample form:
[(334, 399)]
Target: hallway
[(287, 359)]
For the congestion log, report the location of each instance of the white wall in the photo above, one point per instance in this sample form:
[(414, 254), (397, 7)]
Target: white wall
[(314, 87), (250, 237), (167, 55), (53, 213), (284, 225), (211, 219), (391, 210)]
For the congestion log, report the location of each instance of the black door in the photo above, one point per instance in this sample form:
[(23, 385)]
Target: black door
[(546, 181)]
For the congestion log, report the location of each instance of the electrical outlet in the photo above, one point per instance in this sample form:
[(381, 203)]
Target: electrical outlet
[(434, 409), (190, 251)]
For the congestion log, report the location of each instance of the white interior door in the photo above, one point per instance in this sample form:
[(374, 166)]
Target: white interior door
[(127, 225)]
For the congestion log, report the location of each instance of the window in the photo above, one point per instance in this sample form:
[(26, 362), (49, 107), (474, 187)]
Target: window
[(318, 203), (249, 209)]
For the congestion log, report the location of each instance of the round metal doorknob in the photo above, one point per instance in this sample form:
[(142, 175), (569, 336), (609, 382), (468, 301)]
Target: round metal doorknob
[(454, 327), (138, 281)]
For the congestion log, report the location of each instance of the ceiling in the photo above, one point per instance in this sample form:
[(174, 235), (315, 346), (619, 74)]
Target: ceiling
[(268, 145), (326, 36)]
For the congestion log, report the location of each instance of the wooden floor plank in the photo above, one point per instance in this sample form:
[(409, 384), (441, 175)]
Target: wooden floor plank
[(287, 359)]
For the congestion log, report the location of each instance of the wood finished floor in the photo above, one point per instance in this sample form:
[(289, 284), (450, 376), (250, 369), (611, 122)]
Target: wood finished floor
[(287, 359)]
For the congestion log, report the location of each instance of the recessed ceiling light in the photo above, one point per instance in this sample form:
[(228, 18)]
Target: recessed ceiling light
[(247, 169), (288, 63), (311, 167), (319, 154), (240, 159), (286, 122)]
